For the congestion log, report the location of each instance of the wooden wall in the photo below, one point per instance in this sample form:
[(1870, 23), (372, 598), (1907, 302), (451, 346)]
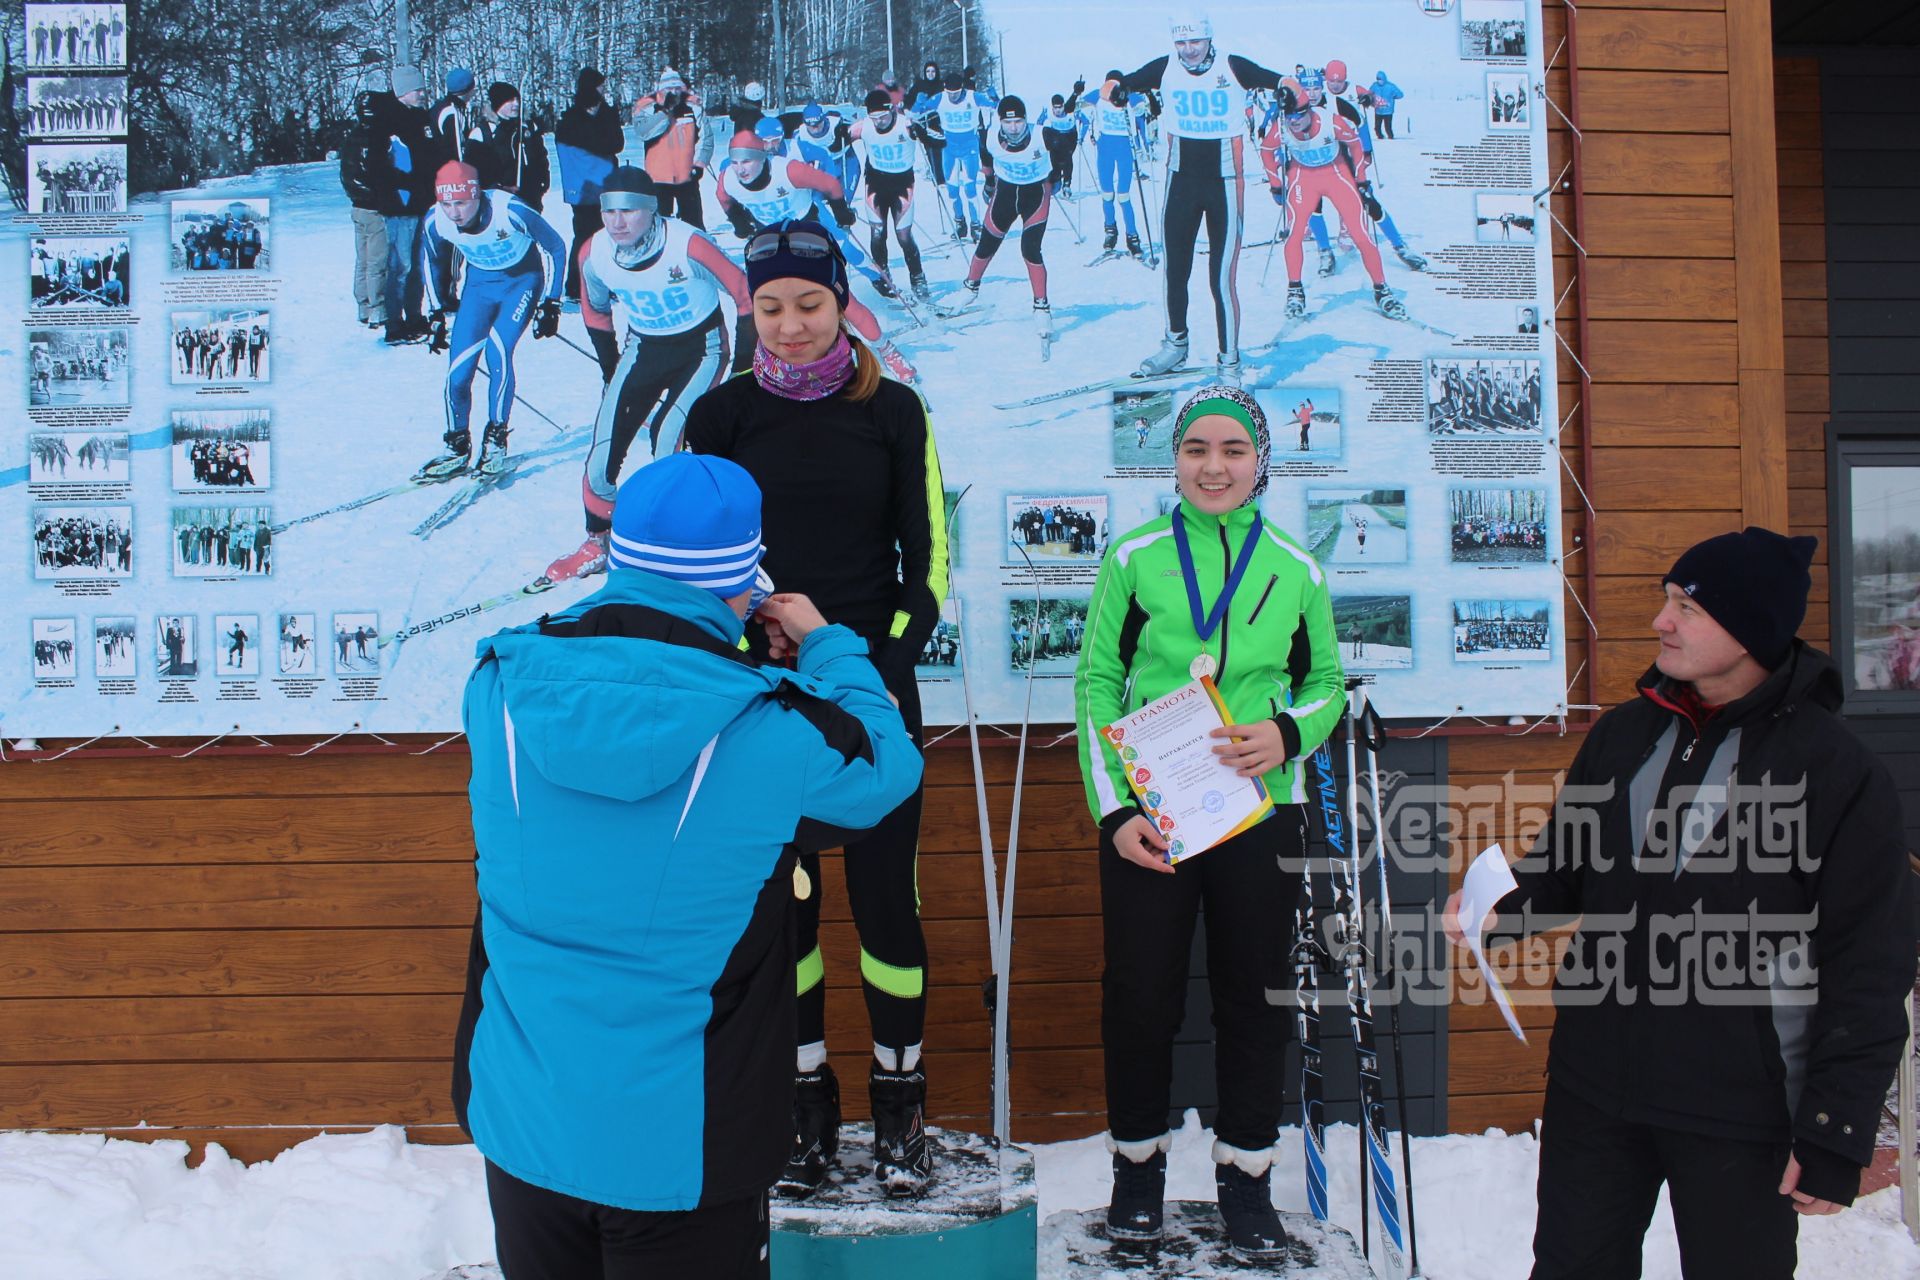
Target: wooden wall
[(1697, 395), (249, 948)]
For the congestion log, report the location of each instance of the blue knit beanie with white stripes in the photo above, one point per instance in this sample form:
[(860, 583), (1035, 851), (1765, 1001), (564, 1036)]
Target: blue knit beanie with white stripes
[(692, 518)]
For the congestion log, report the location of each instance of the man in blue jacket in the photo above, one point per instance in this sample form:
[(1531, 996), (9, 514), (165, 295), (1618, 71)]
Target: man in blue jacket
[(639, 785)]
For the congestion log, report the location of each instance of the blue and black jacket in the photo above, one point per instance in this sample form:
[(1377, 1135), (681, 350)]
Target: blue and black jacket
[(637, 787)]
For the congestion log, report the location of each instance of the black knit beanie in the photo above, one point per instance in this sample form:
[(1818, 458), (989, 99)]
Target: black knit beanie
[(1753, 583)]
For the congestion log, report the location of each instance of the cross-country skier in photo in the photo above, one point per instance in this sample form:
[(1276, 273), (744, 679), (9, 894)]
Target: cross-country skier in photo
[(513, 278), (1224, 595), (1205, 97), (964, 115), (1313, 154), (760, 189), (887, 138), (1019, 185), (1110, 123), (1060, 129), (668, 279), (1332, 86), (854, 520), (825, 141)]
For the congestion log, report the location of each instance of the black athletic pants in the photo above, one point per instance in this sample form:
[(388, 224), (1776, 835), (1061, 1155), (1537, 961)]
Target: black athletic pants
[(883, 891), (1249, 886), (1383, 124), (586, 222), (682, 200), (544, 1235), (1194, 196), (1600, 1176)]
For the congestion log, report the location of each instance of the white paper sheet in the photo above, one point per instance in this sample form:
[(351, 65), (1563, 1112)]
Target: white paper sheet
[(1488, 880)]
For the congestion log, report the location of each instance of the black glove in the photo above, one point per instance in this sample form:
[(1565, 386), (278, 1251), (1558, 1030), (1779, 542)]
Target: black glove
[(1079, 87), (742, 222), (1278, 193), (699, 172), (546, 319), (987, 191), (1370, 203), (842, 212), (437, 332)]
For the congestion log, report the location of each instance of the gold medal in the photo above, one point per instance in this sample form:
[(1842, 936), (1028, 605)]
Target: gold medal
[(1202, 666)]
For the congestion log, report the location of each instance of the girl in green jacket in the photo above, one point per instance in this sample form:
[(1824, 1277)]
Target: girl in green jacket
[(1209, 589)]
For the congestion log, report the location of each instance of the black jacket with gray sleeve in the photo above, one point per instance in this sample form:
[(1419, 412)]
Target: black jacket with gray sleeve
[(1745, 940)]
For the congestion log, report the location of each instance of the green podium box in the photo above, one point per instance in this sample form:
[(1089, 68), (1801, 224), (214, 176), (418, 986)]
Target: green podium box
[(980, 1217)]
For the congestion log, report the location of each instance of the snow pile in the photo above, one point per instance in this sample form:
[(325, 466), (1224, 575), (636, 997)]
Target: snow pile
[(372, 1207)]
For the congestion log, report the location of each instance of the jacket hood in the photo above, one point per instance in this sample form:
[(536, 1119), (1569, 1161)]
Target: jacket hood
[(616, 716)]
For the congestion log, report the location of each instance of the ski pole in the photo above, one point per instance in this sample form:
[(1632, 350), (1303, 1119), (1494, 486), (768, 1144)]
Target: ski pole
[(1375, 732), (522, 402), (577, 347), (1280, 228), (1366, 1166)]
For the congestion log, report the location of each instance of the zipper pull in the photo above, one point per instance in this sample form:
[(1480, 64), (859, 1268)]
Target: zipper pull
[(1688, 753)]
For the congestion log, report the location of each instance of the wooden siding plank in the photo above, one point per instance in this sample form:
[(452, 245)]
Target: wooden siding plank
[(1634, 39)]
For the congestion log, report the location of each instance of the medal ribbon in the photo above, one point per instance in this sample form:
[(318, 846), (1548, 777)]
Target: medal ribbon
[(1206, 624)]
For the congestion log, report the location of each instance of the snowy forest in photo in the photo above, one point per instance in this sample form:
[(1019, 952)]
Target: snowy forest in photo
[(219, 89)]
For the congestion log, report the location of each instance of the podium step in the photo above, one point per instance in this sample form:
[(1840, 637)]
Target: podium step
[(1075, 1246), (979, 1216)]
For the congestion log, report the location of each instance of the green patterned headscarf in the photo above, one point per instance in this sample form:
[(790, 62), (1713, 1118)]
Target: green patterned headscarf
[(1229, 402)]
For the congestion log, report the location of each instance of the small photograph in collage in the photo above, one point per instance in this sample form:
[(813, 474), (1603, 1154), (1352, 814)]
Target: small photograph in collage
[(114, 654), (356, 644), (218, 235), (229, 450), (75, 543), (54, 649), (77, 177), (76, 106), (79, 457), (220, 345), (77, 367), (70, 274), (61, 37)]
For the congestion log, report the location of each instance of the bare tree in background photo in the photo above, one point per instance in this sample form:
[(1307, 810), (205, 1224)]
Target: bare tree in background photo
[(217, 89)]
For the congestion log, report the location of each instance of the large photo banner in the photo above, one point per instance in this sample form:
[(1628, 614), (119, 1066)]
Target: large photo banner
[(289, 438)]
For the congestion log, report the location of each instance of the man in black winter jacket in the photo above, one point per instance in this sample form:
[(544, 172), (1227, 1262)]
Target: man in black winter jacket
[(589, 139), (363, 157), (1730, 1009)]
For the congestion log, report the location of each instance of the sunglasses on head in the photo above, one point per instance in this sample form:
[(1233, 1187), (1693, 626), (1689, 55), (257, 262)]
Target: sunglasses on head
[(800, 243)]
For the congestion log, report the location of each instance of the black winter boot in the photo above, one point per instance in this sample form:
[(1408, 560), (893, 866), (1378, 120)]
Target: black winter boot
[(1254, 1233), (1137, 1210), (816, 1133), (902, 1160)]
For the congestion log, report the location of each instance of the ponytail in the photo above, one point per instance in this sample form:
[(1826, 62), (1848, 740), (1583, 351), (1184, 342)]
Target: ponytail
[(866, 372)]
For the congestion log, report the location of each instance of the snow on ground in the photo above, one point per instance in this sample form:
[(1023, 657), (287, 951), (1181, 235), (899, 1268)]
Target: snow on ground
[(372, 1207)]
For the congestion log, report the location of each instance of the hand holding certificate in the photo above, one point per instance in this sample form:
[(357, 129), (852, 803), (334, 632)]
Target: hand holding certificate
[(1195, 798)]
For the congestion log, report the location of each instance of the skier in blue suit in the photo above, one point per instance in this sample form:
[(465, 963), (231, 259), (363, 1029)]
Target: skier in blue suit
[(512, 257), (640, 786)]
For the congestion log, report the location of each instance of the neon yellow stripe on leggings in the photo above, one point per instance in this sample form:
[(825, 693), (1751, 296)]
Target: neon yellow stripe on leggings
[(809, 973), (907, 984)]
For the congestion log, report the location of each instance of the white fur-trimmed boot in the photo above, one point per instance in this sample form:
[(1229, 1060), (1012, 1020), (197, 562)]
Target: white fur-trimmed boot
[(1254, 1233)]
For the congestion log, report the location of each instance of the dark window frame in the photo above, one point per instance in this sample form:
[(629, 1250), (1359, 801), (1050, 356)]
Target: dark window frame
[(1876, 440)]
